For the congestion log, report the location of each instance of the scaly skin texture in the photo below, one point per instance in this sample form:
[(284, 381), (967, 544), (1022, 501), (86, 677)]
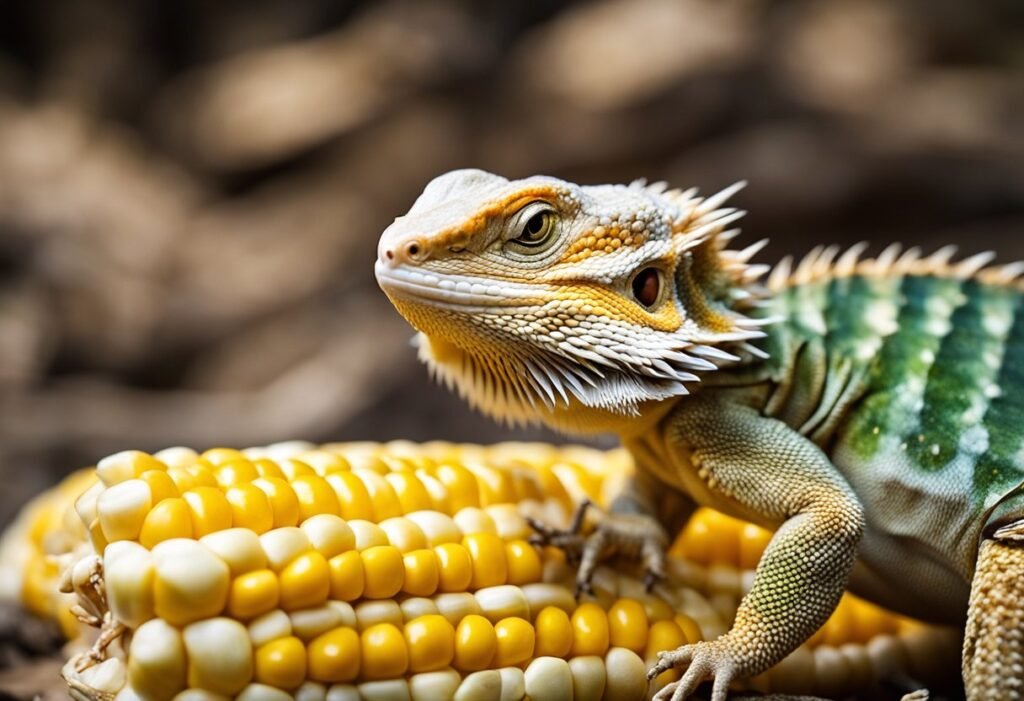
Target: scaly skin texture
[(868, 411)]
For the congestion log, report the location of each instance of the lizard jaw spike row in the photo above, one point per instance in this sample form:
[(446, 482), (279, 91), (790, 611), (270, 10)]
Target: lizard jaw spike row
[(524, 296)]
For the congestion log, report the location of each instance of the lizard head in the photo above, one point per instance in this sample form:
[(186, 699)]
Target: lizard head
[(535, 296)]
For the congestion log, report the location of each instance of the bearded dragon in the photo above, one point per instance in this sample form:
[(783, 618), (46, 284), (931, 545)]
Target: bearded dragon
[(869, 411)]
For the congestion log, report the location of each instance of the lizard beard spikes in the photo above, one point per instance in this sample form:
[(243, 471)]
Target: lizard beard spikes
[(520, 384)]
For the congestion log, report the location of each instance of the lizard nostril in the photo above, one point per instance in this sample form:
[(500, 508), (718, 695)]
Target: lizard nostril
[(389, 254)]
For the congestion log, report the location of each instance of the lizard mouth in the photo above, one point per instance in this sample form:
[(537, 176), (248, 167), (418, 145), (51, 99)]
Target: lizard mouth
[(451, 290)]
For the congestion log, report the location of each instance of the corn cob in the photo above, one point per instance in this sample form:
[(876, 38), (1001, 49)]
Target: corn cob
[(403, 571)]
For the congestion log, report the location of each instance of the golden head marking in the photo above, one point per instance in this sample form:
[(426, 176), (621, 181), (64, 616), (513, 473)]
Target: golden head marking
[(537, 294)]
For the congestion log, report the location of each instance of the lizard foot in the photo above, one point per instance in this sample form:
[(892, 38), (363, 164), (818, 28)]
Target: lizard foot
[(635, 536), (703, 660)]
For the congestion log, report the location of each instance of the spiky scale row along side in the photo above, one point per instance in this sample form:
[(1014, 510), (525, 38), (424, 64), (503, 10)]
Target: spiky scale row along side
[(306, 638)]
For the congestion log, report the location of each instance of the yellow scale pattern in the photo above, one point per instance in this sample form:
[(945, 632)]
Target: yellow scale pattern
[(395, 571)]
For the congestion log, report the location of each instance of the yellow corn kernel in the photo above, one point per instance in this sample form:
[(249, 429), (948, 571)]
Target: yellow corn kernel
[(305, 582), (383, 652), (590, 630), (253, 594), (412, 495), (516, 639), (250, 508), (283, 501), (665, 636), (281, 663), (293, 469), (329, 534), (657, 609), (126, 465), (431, 643), (219, 456), (171, 518), (156, 660), (455, 567), (122, 509), (385, 502), (490, 567), (210, 510), (219, 655), (191, 582), (494, 486), (691, 629), (439, 497), (315, 496), (383, 571), (234, 472), (421, 572), (282, 545), (554, 632), (334, 656), (627, 625), (347, 576), (524, 566), (240, 548), (475, 644), (353, 499), (461, 486), (161, 486), (368, 534), (186, 478), (265, 467)]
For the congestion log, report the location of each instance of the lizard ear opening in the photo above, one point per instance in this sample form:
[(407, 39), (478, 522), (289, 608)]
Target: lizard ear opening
[(647, 286)]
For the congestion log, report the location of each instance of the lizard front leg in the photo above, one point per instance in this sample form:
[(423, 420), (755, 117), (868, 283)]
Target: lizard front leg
[(764, 468)]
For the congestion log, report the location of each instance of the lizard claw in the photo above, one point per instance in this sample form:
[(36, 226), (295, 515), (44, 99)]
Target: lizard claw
[(632, 535), (702, 660)]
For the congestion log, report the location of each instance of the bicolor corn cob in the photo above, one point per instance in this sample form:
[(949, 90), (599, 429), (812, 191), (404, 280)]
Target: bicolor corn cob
[(397, 571)]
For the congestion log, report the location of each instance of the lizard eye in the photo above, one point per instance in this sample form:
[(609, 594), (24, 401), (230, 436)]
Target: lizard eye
[(647, 287), (533, 228)]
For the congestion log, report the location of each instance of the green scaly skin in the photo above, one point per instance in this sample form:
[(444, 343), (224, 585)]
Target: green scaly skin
[(876, 424)]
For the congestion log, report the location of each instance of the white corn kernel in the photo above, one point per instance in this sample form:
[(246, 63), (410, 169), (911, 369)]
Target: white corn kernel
[(122, 509), (513, 684), (239, 548), (156, 662), (479, 686), (471, 520), (369, 613), (456, 606), (309, 623), (387, 690), (129, 573), (434, 686), (625, 676), (549, 679), (262, 692), (588, 677), (282, 545), (269, 627), (416, 606), (503, 601), (329, 534), (438, 528), (343, 692), (191, 582), (219, 654)]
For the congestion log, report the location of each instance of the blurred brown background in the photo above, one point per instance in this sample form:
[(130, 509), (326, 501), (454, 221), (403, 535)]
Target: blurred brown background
[(191, 192)]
